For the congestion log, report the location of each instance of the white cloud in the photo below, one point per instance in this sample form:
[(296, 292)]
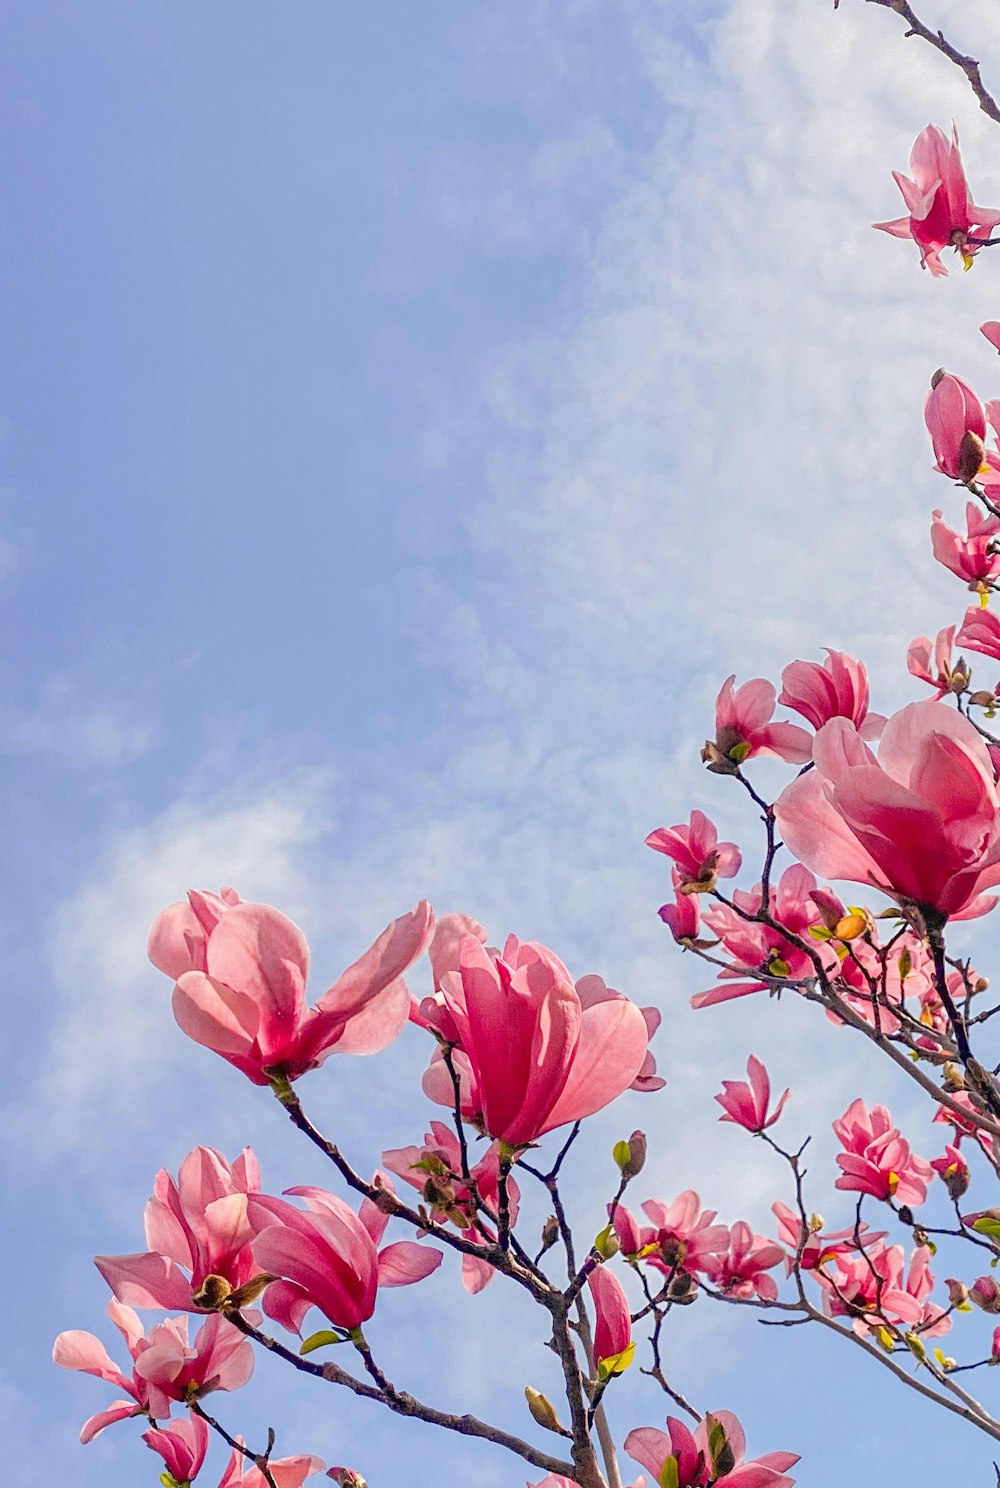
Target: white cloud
[(67, 726)]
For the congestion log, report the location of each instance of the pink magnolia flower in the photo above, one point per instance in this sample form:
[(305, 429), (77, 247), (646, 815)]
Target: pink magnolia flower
[(287, 1472), (817, 1248), (714, 1452), (746, 1104), (198, 1223), (973, 558), (931, 660), (435, 1169), (964, 1126), (756, 948), (613, 1329), (683, 1234), (626, 1227), (985, 1293), (877, 1159), (533, 1050), (956, 422), (241, 972), (164, 1367), (683, 917), (182, 1445), (327, 1257), (700, 859), (743, 728), (742, 1270), (980, 631), (940, 211), (921, 822), (991, 330), (835, 688), (868, 1287)]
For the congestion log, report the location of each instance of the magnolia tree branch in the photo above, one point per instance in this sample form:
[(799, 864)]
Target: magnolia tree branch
[(261, 1460), (936, 39)]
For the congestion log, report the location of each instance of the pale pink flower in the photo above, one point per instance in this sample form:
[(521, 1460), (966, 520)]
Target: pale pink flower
[(198, 1223), (534, 1051), (921, 821), (930, 661), (743, 728), (835, 688), (974, 557), (287, 1472), (877, 1160), (714, 1452), (165, 1367), (940, 210), (869, 1288), (182, 1445), (980, 631), (328, 1257), (991, 330), (746, 1104), (698, 855), (240, 986)]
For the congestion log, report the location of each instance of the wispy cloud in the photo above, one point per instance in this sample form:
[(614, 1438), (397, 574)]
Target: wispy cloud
[(67, 726)]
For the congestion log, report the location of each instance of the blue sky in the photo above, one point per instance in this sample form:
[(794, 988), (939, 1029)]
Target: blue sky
[(410, 415)]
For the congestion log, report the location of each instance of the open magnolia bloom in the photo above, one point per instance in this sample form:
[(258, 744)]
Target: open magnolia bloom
[(940, 211), (921, 821)]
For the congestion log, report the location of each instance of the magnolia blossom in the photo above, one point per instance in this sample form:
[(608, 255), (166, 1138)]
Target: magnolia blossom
[(742, 1270), (164, 1367), (835, 688), (940, 210), (435, 1169), (182, 1445), (812, 1249), (877, 1159), (533, 1051), (743, 728), (327, 1257), (198, 1223), (714, 1452), (956, 422), (974, 557), (874, 1288), (240, 972), (613, 1347), (953, 1170), (683, 1236), (931, 661), (921, 821), (699, 858), (683, 917), (991, 330), (980, 631), (746, 1104), (286, 1472)]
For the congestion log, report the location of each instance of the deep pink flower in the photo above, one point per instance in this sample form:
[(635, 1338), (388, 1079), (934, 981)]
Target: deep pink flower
[(742, 1270), (613, 1328), (287, 1472), (626, 1227), (327, 1257), (746, 1104), (940, 211), (241, 972), (743, 728), (182, 1445), (921, 822), (985, 1293), (953, 1171), (164, 1367), (683, 1234), (199, 1223), (533, 1050), (698, 855), (980, 631), (714, 1452), (931, 660), (435, 1169), (973, 557), (757, 949), (963, 1125), (956, 422), (817, 1248), (835, 688), (683, 917), (877, 1159)]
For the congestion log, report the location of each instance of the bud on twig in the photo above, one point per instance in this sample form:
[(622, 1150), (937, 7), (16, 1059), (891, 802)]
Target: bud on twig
[(971, 457), (544, 1412), (631, 1155)]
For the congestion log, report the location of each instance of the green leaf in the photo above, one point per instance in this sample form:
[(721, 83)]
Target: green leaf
[(987, 1226), (622, 1154), (320, 1340)]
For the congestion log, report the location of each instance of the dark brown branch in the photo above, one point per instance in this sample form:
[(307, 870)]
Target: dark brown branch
[(936, 39)]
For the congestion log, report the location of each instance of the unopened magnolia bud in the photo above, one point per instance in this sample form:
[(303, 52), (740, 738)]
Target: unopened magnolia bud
[(985, 1293), (815, 1223), (954, 1079), (981, 984), (982, 699), (681, 1288), (958, 1292), (936, 377), (971, 457), (213, 1294), (250, 1290), (550, 1232), (959, 677), (543, 1411), (607, 1243), (347, 1477), (631, 1155), (850, 927), (906, 1214)]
